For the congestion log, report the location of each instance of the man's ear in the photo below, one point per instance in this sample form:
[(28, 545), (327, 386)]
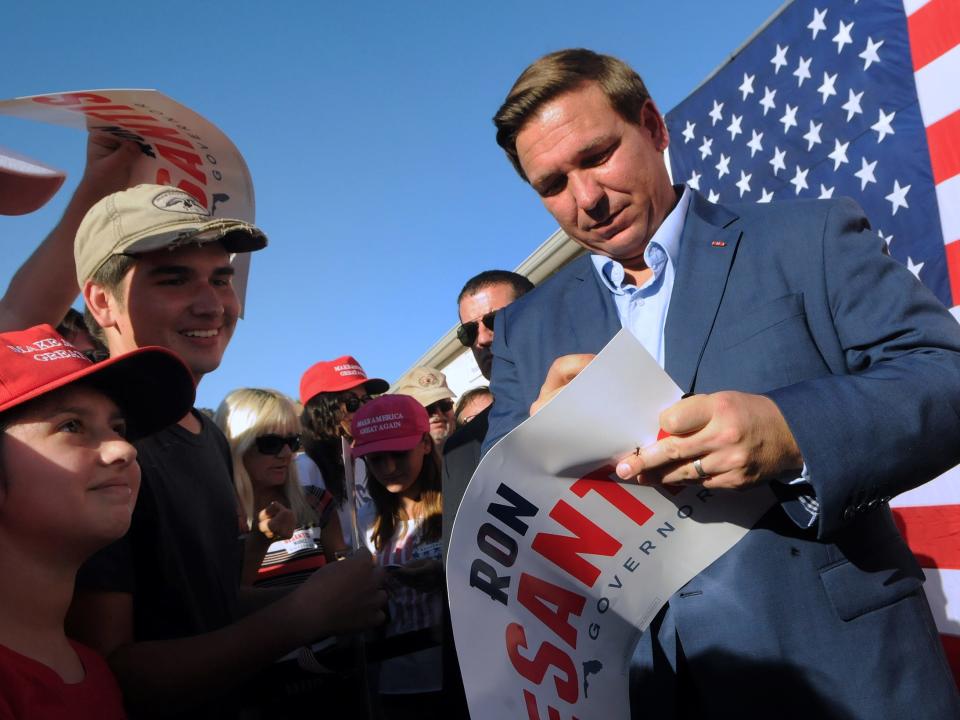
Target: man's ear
[(102, 304), (652, 121)]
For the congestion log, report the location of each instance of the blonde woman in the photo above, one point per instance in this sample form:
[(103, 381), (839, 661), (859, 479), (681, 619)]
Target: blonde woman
[(293, 529)]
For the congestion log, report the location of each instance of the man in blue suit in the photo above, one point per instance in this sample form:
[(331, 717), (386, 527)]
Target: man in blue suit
[(816, 365)]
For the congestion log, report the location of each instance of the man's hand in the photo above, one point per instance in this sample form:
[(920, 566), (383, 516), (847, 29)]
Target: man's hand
[(276, 522), (739, 439), (340, 597), (109, 166), (564, 369), (424, 575)]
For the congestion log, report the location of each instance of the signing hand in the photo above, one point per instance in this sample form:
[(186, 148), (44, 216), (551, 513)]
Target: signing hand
[(564, 369), (739, 439)]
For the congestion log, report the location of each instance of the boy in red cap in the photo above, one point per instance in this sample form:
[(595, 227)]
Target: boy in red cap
[(68, 485)]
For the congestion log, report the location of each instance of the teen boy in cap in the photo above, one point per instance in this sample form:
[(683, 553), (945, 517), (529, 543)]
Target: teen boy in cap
[(162, 604), (68, 485), (429, 387)]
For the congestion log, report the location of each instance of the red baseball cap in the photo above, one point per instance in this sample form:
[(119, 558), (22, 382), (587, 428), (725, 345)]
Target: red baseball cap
[(25, 184), (151, 385), (344, 373), (389, 423)]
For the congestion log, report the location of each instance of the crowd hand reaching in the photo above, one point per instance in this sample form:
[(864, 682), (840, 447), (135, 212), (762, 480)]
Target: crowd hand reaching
[(737, 439), (109, 169), (339, 598), (424, 575), (564, 369), (276, 521)]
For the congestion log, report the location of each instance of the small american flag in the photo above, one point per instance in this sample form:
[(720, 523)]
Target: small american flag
[(858, 98)]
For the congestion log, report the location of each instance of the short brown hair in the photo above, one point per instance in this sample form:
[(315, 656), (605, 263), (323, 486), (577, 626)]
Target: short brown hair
[(110, 277), (560, 72)]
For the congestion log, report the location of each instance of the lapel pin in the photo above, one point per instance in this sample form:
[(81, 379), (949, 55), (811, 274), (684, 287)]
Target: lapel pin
[(718, 243)]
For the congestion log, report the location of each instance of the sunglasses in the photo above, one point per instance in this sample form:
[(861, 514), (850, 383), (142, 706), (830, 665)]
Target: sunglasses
[(273, 444), (353, 403), (468, 331), (443, 406)]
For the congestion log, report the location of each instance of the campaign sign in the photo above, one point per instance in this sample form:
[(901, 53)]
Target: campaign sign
[(556, 567), (178, 147)]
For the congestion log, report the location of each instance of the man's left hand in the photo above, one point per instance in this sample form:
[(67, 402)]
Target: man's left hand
[(739, 440)]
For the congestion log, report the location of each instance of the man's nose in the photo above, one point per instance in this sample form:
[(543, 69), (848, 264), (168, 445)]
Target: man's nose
[(207, 301), (587, 192), (484, 336)]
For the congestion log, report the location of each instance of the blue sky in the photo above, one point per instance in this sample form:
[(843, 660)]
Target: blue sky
[(366, 126)]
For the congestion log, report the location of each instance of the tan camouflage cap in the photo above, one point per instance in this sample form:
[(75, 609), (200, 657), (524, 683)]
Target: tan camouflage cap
[(151, 217), (425, 384)]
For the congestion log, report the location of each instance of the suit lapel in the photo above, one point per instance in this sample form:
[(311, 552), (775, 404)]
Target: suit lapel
[(707, 248), (588, 300)]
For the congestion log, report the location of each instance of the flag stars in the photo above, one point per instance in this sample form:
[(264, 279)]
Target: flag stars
[(765, 196), (723, 167), (688, 135), (826, 88), (865, 173), (812, 135), (767, 101), (817, 25), (755, 144), (789, 118), (706, 148), (852, 105), (839, 154), (803, 70), (825, 192), (887, 239), (713, 197), (869, 54), (898, 198), (913, 267), (799, 180), (746, 87), (777, 161), (780, 58), (843, 36), (744, 182), (734, 127), (694, 180), (883, 126), (717, 113)]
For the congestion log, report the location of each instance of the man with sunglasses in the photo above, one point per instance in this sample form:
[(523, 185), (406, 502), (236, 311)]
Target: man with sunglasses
[(429, 387)]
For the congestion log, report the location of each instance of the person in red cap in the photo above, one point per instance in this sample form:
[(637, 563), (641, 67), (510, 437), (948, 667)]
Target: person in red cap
[(331, 391), (392, 435), (68, 485)]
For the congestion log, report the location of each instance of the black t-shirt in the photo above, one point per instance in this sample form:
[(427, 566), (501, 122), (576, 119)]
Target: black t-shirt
[(182, 558)]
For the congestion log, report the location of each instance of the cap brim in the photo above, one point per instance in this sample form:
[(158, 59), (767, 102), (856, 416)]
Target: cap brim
[(151, 386), (235, 235), (376, 386), (395, 444), (26, 184)]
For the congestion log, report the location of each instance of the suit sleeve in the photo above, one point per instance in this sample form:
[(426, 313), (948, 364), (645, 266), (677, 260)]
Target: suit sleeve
[(508, 408), (892, 422)]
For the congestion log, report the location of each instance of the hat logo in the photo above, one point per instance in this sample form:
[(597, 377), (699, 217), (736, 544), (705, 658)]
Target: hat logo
[(180, 202), (428, 380)]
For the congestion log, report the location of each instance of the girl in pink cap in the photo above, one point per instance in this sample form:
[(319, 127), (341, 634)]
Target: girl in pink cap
[(392, 435)]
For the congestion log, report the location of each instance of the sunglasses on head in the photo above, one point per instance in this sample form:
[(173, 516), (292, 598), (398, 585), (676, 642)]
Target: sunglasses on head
[(353, 403), (273, 444), (443, 406), (468, 331)]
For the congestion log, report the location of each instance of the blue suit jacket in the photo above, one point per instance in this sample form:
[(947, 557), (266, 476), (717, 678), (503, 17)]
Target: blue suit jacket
[(821, 613)]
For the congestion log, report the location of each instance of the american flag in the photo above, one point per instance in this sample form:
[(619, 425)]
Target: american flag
[(858, 98)]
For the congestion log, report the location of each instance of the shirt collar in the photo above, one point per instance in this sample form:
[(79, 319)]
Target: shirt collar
[(665, 244)]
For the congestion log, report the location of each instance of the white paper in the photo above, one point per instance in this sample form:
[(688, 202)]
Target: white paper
[(647, 544), (179, 147)]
